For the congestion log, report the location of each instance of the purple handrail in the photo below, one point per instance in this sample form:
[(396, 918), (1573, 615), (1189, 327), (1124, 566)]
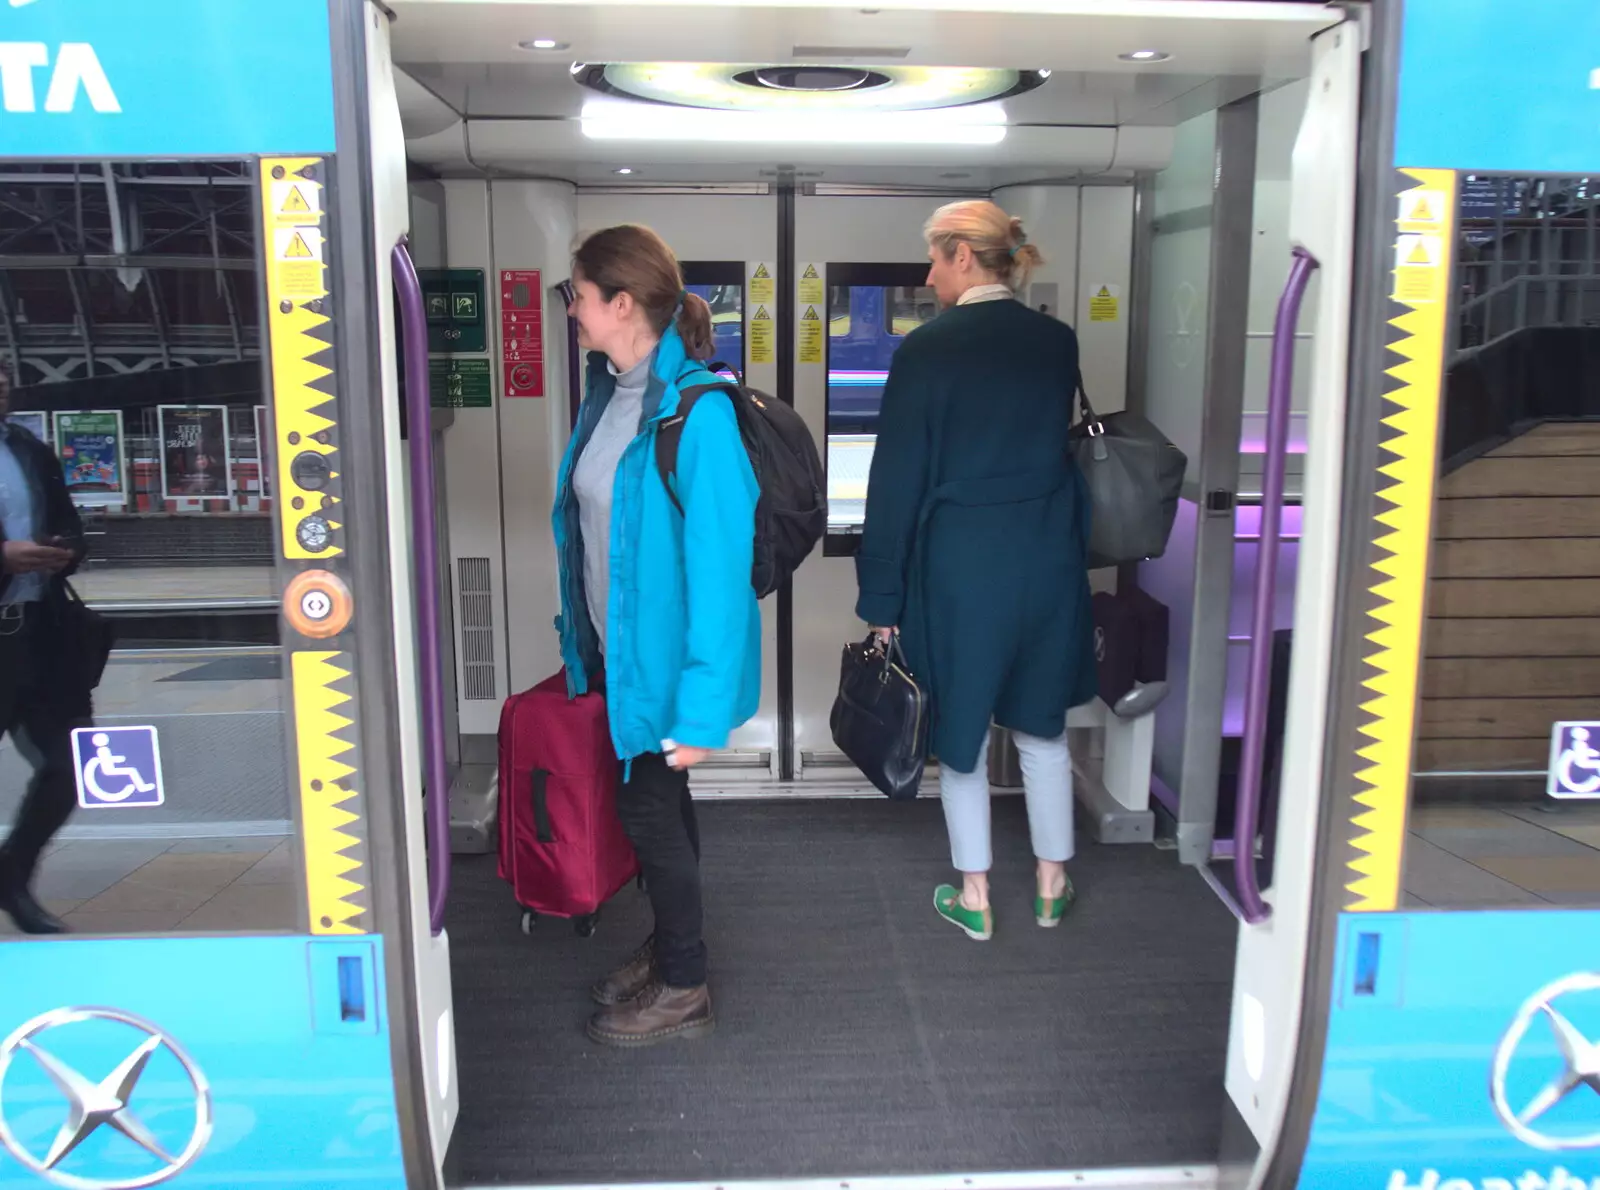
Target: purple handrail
[(1247, 811), (425, 530)]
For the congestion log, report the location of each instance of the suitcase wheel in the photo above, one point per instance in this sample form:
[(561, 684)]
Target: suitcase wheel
[(528, 918), (584, 926)]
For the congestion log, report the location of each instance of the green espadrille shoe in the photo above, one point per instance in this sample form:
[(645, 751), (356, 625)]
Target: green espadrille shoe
[(1048, 911), (977, 924)]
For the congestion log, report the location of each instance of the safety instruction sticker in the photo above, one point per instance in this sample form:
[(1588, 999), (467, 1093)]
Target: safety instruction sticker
[(763, 337), (763, 283), (1105, 303), (295, 201), (297, 262), (810, 335), (1422, 210), (811, 285), (1418, 276)]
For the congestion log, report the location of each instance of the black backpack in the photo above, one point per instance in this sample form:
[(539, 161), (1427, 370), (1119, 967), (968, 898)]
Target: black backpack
[(792, 512)]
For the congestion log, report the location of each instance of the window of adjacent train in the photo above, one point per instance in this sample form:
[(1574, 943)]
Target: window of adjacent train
[(866, 323), (1506, 784), (131, 334)]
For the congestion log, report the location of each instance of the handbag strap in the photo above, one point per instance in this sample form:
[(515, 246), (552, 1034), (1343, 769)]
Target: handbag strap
[(1086, 413)]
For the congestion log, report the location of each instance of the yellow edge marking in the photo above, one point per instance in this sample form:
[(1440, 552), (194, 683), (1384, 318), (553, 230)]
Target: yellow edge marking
[(326, 784), (1401, 534), (294, 366)]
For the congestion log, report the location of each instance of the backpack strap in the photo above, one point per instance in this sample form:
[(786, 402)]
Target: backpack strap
[(669, 434)]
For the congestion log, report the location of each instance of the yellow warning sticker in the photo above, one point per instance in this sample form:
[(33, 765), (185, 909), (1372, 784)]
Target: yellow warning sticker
[(763, 337), (297, 263), (1417, 275), (1105, 303), (810, 336), (763, 287), (296, 202), (1424, 207), (811, 286)]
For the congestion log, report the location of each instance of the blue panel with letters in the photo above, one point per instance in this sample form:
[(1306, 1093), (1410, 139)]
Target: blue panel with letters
[(164, 78), (1459, 1054)]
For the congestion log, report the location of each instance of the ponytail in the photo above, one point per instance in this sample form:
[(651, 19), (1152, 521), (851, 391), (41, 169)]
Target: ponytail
[(694, 327)]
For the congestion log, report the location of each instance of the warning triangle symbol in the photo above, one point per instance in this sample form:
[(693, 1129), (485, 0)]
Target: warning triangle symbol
[(1419, 254), (294, 203), (810, 274), (1104, 292), (298, 249), (1422, 212), (810, 315), (761, 272), (762, 315)]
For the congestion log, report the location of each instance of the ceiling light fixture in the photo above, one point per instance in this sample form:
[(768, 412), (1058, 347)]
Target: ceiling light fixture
[(1145, 56), (1044, 74), (619, 120), (624, 170), (543, 43)]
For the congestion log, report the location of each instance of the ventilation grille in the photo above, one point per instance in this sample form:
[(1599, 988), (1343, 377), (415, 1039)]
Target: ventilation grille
[(871, 53), (477, 628)]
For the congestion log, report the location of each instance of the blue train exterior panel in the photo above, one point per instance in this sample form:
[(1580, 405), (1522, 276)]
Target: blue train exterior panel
[(1463, 1054), (220, 1062)]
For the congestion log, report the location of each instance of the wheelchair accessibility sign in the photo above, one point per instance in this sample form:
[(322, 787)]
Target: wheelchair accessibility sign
[(117, 766), (1574, 761)]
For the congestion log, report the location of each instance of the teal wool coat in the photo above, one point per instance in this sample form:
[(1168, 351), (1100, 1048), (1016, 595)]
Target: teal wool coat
[(977, 525)]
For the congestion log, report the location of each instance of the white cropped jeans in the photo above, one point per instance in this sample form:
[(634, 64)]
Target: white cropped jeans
[(1047, 784)]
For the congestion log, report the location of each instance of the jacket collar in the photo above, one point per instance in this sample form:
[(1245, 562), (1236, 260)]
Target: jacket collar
[(667, 366)]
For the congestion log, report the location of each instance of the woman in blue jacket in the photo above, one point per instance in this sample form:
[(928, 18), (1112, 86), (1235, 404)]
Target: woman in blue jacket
[(975, 545), (658, 599)]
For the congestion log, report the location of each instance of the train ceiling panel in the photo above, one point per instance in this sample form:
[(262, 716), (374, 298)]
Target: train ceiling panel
[(925, 88)]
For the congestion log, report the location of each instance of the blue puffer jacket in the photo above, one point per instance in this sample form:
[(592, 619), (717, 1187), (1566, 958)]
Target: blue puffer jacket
[(683, 630)]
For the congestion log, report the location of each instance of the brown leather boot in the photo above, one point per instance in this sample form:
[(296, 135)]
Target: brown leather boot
[(657, 1014), (628, 980)]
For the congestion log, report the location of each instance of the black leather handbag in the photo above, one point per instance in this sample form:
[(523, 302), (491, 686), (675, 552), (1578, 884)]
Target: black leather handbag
[(87, 638), (1134, 474), (880, 718)]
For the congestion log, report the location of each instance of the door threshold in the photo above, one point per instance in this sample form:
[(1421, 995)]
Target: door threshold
[(1155, 1177)]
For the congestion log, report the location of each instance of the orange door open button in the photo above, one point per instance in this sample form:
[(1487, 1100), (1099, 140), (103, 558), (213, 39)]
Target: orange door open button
[(317, 604)]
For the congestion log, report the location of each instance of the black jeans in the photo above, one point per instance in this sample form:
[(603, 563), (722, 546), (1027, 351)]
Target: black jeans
[(658, 815), (40, 704)]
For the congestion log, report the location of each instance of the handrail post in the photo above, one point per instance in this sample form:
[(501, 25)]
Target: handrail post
[(413, 328), (1280, 395)]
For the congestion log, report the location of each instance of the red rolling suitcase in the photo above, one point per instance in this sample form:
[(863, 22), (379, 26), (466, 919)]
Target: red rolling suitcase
[(562, 847)]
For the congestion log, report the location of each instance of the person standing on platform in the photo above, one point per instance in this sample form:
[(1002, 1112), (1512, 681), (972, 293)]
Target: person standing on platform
[(43, 693)]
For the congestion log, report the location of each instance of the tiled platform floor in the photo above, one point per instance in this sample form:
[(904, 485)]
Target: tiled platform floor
[(161, 886), (1525, 853)]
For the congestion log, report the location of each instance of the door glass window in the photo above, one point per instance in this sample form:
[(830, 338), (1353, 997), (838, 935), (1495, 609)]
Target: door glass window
[(866, 324), (1506, 769), (144, 385)]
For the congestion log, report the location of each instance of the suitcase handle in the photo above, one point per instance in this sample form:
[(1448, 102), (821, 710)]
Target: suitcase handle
[(541, 807)]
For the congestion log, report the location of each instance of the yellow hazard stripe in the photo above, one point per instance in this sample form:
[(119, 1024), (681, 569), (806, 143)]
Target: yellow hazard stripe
[(1408, 458), (324, 742)]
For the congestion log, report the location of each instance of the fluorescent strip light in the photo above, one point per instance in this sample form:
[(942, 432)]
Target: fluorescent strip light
[(653, 122)]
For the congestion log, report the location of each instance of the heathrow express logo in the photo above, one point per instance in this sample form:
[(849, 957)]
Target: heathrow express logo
[(87, 1104)]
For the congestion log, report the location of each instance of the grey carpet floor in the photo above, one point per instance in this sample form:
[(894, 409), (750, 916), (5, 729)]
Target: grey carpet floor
[(858, 1033)]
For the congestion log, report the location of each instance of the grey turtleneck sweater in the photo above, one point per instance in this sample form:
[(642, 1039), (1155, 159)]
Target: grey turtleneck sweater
[(594, 479)]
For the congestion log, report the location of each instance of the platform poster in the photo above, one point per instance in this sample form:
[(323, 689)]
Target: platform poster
[(89, 444), (195, 460)]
